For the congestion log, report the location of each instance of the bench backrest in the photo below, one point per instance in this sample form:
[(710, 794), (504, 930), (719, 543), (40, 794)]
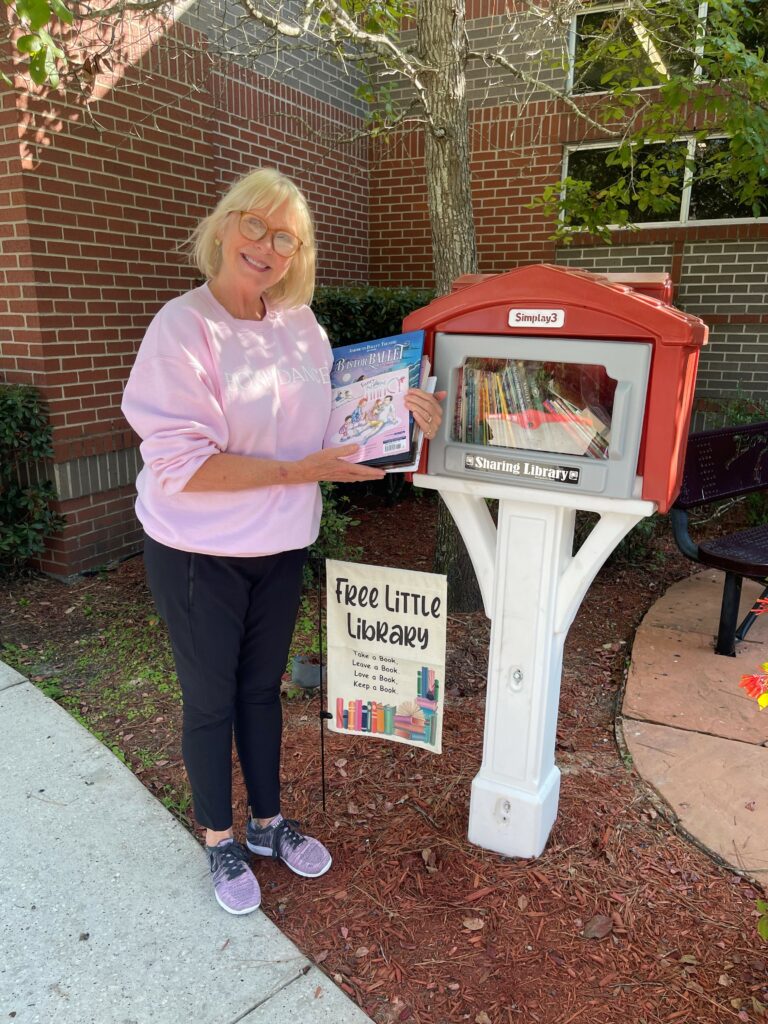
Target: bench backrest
[(724, 463)]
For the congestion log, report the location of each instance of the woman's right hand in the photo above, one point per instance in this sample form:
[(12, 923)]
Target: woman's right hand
[(331, 464)]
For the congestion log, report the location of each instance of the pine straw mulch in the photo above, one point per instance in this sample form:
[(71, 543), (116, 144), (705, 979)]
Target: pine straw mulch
[(620, 920)]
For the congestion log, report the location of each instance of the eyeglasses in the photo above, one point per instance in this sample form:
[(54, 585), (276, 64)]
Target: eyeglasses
[(283, 242)]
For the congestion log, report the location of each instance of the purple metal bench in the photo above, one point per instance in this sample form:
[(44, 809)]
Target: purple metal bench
[(722, 464)]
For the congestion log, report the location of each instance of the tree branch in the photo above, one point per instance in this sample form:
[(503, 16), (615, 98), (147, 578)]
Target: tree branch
[(489, 57), (341, 28)]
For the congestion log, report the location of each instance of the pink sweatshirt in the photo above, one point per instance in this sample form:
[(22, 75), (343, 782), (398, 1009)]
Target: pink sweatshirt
[(204, 382)]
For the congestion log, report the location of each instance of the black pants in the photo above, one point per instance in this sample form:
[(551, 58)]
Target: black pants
[(230, 621)]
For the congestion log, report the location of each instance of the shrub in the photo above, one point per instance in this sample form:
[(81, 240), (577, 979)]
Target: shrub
[(638, 546), (26, 516), (332, 539), (359, 312), (736, 410)]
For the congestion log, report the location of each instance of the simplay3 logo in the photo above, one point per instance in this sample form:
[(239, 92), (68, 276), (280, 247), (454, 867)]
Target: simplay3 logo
[(519, 467)]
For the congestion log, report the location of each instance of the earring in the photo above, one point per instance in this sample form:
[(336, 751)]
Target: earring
[(217, 242)]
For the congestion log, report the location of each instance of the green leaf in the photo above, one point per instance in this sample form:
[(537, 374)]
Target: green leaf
[(49, 42), (38, 70), (28, 44), (34, 13), (61, 11), (365, 92), (762, 928)]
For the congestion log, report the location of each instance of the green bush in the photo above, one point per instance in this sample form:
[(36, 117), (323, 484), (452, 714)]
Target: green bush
[(638, 546), (332, 539), (738, 410), (26, 516), (359, 312)]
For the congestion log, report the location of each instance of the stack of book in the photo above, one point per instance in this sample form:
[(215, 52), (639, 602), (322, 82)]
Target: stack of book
[(414, 720), (515, 403), (410, 723), (365, 716)]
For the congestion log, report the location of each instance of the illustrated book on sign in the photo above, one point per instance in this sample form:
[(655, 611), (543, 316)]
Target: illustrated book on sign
[(386, 653), (369, 381)]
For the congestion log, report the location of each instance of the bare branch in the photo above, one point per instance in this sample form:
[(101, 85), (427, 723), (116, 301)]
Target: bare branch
[(283, 28), (87, 12), (490, 57), (341, 29), (404, 120)]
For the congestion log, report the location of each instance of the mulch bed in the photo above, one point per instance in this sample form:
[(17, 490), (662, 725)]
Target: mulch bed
[(620, 920)]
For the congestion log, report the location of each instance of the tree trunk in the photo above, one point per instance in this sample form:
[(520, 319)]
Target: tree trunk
[(442, 45)]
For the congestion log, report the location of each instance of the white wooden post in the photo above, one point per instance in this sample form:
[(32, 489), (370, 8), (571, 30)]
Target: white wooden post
[(532, 586)]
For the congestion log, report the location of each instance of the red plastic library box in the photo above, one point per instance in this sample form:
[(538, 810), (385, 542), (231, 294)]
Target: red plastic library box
[(563, 379)]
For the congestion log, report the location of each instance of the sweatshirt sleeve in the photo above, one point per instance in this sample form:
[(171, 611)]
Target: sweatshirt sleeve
[(172, 405)]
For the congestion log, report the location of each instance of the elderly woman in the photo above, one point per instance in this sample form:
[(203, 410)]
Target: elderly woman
[(231, 395)]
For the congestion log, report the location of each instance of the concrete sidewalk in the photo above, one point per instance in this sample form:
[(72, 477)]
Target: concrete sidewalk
[(694, 735), (107, 908)]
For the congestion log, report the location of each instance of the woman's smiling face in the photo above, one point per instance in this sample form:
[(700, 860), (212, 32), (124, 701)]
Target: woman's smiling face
[(253, 267)]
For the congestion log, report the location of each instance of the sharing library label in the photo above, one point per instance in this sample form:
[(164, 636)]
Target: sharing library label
[(519, 467)]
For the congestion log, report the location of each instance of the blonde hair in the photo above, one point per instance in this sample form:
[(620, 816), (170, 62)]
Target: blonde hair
[(264, 189)]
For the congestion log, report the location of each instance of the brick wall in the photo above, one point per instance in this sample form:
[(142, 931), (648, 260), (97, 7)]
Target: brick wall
[(720, 269), (263, 122), (94, 204), (92, 182), (19, 320), (512, 160), (725, 283), (299, 68)]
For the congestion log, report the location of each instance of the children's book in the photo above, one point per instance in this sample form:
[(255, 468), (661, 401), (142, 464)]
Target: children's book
[(369, 380)]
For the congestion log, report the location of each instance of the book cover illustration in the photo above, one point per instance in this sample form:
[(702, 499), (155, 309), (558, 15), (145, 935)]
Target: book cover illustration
[(372, 413), (514, 403), (369, 381)]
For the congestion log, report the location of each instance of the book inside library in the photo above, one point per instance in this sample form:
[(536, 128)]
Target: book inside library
[(558, 407)]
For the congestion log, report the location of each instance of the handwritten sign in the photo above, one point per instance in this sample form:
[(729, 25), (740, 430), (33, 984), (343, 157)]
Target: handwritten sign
[(386, 653)]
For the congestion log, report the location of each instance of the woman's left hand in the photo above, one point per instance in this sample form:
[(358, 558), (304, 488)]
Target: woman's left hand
[(426, 409)]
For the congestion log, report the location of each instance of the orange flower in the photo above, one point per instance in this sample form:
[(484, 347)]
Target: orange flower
[(755, 685)]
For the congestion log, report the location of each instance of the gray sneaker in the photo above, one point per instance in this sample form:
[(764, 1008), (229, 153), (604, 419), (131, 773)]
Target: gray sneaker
[(282, 839), (234, 884)]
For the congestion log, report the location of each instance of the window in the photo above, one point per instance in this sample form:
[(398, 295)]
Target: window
[(642, 52), (714, 197), (755, 34), (686, 180), (599, 165), (643, 45)]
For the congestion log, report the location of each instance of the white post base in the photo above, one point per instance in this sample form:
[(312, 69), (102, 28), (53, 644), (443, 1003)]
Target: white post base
[(532, 585), (509, 820)]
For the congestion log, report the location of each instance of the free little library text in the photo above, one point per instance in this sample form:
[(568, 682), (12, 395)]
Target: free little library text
[(369, 380), (386, 653)]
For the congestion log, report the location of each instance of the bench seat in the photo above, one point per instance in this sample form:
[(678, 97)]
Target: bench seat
[(745, 552), (720, 465)]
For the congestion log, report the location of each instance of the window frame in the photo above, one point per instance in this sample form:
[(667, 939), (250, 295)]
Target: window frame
[(684, 220), (621, 5)]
